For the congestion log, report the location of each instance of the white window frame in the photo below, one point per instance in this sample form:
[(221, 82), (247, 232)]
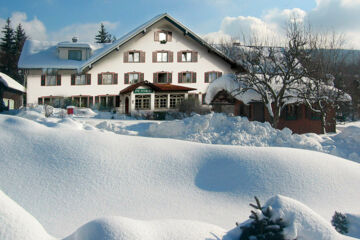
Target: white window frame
[(134, 57), (143, 102), (162, 57), (176, 99), (186, 56), (50, 80), (105, 77), (161, 101), (80, 79), (212, 76)]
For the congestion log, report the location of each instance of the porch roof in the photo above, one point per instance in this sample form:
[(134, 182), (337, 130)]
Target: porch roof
[(157, 87)]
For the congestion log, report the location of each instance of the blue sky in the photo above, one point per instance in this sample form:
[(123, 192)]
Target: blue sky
[(57, 19)]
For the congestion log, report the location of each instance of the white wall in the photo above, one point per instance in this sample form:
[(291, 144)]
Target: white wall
[(113, 62)]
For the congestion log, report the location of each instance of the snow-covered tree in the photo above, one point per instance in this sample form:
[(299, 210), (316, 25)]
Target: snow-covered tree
[(103, 36), (263, 226), (275, 73), (322, 92)]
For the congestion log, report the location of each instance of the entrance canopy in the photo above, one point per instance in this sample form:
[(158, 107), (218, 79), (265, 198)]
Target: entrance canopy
[(155, 87)]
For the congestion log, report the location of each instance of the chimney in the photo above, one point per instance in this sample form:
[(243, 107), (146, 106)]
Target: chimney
[(74, 39)]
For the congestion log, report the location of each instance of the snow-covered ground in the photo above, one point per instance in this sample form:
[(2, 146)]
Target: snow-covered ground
[(216, 128), (68, 172)]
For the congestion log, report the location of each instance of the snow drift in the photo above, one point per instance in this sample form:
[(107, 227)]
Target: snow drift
[(78, 174)]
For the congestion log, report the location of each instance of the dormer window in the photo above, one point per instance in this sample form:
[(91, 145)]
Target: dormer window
[(74, 55), (163, 36)]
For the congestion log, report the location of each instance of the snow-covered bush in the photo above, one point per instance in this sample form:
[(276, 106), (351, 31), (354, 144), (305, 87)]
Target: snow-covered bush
[(339, 221), (262, 225)]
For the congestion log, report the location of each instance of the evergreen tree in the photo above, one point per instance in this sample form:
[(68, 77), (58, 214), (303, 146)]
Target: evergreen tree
[(7, 58), (20, 38), (340, 222), (103, 36)]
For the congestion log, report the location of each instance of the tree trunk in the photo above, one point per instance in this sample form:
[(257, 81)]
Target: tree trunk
[(323, 122)]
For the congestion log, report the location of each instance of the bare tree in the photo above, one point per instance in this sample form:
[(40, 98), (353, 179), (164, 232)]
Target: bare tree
[(324, 70), (275, 73)]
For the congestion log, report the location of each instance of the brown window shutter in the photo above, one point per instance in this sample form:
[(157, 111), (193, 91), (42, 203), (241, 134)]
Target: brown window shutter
[(58, 80), (154, 57), (207, 77), (126, 57), (72, 79), (142, 56), (194, 56), (170, 56), (42, 80), (115, 78), (180, 77), (88, 79), (169, 36), (141, 77), (193, 74), (126, 78), (99, 79), (156, 36), (169, 75), (155, 77), (219, 74), (179, 56)]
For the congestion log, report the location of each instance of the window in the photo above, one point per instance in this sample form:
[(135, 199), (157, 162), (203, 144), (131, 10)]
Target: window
[(133, 77), (162, 77), (162, 57), (176, 99), (134, 57), (187, 77), (82, 79), (291, 112), (51, 80), (211, 76), (142, 102), (107, 78), (161, 101), (187, 56), (74, 55), (162, 36)]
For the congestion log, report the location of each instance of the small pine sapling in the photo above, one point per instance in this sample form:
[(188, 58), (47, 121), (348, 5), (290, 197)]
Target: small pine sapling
[(340, 222), (262, 226)]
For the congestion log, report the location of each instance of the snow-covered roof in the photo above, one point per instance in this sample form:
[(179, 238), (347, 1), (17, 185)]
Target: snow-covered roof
[(230, 84), (11, 83), (42, 55), (68, 44)]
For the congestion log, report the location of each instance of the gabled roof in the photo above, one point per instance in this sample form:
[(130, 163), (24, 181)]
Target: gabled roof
[(143, 28), (43, 54), (11, 83), (157, 87)]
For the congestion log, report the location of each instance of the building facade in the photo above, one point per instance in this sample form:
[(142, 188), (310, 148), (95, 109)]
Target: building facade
[(162, 52)]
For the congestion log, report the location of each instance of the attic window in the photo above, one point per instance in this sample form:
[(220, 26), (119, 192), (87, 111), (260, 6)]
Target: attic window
[(74, 55), (163, 36)]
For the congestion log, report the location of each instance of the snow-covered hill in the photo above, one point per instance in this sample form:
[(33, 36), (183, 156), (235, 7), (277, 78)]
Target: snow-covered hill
[(66, 173)]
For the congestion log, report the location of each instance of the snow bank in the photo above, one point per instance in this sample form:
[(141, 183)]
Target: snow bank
[(16, 223), (65, 176), (302, 222), (115, 228), (217, 128), (11, 83)]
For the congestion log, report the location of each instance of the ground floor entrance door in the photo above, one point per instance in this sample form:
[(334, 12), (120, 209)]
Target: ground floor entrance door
[(126, 105)]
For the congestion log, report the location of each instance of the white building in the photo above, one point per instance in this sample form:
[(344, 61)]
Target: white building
[(167, 62)]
